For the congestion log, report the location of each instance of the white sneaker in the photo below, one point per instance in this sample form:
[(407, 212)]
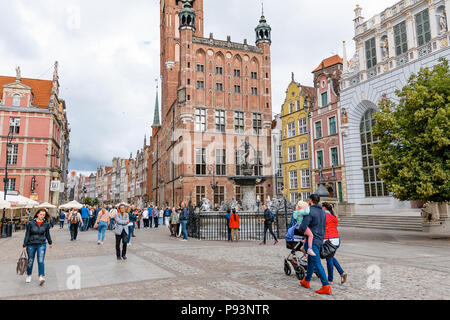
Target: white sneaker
[(41, 280), (129, 245), (28, 280), (311, 252)]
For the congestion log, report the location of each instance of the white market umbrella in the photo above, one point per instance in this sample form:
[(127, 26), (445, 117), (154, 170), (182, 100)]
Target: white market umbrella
[(72, 205), (18, 201), (46, 205), (5, 204)]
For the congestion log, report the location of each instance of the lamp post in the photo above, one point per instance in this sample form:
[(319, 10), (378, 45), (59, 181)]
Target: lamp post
[(5, 181), (285, 207)]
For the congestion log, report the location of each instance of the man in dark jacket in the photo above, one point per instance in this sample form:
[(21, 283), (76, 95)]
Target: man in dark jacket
[(268, 221), (315, 221)]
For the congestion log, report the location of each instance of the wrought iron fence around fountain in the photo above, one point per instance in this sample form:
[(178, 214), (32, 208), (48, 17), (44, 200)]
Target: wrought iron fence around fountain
[(212, 226)]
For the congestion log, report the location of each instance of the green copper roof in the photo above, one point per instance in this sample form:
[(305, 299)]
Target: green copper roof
[(156, 122)]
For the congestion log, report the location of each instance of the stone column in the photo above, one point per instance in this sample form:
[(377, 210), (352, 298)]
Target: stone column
[(434, 28), (362, 56), (391, 41), (378, 45), (447, 10), (248, 198), (410, 27)]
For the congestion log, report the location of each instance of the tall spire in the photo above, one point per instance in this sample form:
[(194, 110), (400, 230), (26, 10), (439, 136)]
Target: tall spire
[(156, 122), (263, 30)]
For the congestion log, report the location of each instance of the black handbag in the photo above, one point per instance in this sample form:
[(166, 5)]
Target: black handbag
[(328, 250)]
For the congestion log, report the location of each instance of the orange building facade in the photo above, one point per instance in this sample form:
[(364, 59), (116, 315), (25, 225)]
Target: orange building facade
[(215, 95)]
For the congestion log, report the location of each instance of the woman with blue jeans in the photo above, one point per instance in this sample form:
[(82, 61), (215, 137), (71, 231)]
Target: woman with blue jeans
[(184, 220), (36, 236), (102, 223), (332, 234)]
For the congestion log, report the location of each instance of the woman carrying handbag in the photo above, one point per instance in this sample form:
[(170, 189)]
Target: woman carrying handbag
[(36, 237), (332, 235)]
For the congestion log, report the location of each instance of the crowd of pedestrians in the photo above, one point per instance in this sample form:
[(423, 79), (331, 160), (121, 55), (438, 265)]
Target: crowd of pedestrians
[(318, 223)]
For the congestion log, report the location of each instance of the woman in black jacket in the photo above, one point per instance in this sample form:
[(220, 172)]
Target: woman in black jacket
[(36, 237)]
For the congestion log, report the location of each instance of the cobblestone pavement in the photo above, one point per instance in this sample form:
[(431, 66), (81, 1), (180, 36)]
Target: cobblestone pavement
[(412, 266)]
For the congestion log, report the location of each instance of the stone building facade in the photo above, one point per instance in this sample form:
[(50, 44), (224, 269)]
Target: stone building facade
[(326, 137), (215, 94), (389, 48)]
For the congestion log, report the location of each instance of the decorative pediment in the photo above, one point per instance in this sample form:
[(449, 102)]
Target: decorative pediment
[(16, 85)]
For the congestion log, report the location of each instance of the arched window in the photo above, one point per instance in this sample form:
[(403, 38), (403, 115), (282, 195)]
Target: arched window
[(16, 100), (373, 185)]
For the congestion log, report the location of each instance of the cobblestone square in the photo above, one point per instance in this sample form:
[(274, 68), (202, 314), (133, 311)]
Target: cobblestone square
[(412, 267)]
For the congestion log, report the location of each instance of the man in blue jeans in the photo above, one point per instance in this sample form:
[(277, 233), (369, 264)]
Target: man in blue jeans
[(183, 221), (85, 217), (315, 221)]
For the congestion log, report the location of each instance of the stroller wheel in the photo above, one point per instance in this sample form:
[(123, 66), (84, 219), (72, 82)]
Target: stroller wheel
[(300, 273), (287, 269)]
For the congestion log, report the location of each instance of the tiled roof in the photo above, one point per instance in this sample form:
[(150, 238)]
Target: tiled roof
[(328, 62), (308, 91), (40, 88)]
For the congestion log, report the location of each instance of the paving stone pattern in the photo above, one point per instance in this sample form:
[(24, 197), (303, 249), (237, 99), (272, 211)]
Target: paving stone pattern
[(412, 266)]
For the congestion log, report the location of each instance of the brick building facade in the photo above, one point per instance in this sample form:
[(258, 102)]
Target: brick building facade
[(215, 94)]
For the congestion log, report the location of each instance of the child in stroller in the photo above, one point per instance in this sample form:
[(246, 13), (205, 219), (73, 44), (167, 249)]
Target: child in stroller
[(294, 242)]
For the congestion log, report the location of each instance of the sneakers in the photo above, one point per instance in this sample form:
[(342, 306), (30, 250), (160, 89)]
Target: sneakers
[(28, 280), (119, 258), (183, 240), (262, 243), (275, 243), (41, 280), (305, 284), (311, 252), (324, 290), (98, 242), (124, 258)]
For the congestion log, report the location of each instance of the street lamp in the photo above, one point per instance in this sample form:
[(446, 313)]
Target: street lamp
[(9, 148)]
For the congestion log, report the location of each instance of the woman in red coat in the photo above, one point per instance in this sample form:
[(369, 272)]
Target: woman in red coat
[(234, 225), (332, 234)]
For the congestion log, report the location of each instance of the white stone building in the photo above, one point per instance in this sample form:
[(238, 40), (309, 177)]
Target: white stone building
[(389, 48)]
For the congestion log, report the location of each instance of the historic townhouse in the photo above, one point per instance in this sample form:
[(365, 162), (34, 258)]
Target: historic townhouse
[(389, 47), (295, 141), (215, 94), (325, 122), (34, 138), (277, 157)]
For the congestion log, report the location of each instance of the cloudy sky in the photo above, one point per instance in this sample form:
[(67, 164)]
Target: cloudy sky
[(108, 52)]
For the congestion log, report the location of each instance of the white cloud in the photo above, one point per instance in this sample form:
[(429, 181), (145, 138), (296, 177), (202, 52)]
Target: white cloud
[(109, 56)]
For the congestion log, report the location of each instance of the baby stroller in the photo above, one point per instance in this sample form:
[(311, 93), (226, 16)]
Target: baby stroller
[(293, 263)]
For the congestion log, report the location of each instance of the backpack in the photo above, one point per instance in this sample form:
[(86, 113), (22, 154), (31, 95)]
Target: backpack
[(74, 218)]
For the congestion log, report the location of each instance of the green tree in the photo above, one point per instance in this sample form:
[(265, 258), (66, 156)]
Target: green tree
[(95, 202), (88, 201), (414, 137)]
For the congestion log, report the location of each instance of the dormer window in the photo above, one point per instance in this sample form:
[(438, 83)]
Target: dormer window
[(16, 100)]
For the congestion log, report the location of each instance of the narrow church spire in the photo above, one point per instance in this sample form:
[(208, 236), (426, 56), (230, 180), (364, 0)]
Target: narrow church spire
[(156, 122)]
